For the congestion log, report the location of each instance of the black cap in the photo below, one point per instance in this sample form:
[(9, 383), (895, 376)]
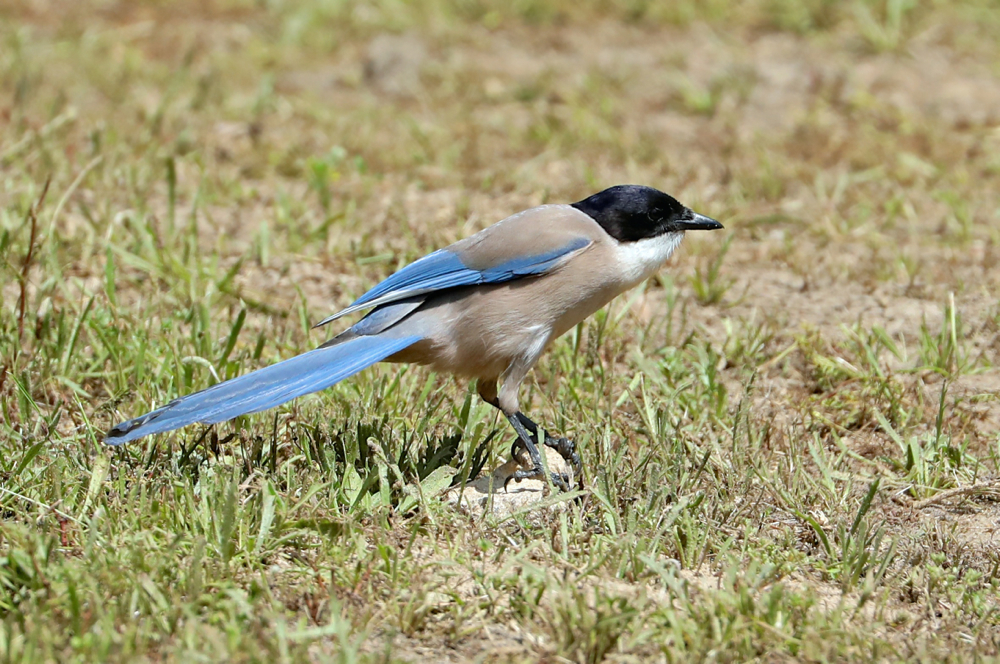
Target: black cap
[(629, 212)]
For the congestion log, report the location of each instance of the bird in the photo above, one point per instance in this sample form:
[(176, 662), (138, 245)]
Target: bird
[(483, 308)]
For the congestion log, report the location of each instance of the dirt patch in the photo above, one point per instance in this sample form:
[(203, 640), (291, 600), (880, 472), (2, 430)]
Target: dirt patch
[(492, 494), (980, 529)]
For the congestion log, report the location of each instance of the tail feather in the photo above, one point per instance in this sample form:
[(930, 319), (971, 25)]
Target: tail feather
[(265, 388)]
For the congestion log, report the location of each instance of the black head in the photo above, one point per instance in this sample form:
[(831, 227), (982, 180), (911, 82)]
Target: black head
[(630, 212)]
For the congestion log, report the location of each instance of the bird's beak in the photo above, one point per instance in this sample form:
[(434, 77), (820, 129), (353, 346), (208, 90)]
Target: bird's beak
[(698, 222)]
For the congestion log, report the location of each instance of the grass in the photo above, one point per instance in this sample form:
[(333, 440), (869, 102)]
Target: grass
[(791, 434)]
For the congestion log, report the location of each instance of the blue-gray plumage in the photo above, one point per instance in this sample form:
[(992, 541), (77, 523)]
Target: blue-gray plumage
[(485, 307), (445, 269), (265, 388)]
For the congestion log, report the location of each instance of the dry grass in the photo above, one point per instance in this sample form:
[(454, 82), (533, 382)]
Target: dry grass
[(791, 433)]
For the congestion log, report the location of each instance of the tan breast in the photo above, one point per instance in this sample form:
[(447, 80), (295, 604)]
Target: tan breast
[(479, 331)]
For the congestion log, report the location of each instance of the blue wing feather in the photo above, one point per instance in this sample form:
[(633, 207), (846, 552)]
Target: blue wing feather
[(441, 269), (444, 269)]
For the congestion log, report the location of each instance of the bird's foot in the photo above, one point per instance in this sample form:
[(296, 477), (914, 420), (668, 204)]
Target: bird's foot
[(559, 479), (525, 452), (567, 450), (564, 446)]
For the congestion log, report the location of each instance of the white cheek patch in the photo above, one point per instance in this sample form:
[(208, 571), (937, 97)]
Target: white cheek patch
[(639, 260)]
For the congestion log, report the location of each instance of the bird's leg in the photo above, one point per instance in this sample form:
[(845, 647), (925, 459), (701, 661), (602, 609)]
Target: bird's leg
[(488, 393), (527, 437), (532, 430), (530, 444), (564, 446)]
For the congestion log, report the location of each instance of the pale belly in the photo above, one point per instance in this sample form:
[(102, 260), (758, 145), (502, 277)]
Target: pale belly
[(479, 333)]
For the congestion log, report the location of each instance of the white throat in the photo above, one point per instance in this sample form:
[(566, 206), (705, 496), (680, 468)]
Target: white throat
[(641, 259)]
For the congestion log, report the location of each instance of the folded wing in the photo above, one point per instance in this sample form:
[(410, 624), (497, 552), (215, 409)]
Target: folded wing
[(492, 256)]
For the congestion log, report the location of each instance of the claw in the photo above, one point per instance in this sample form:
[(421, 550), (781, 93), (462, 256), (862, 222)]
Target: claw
[(560, 480), (528, 435), (567, 450), (514, 447)]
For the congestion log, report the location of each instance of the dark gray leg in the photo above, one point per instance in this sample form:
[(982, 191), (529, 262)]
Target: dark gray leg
[(564, 446), (531, 445), (527, 437)]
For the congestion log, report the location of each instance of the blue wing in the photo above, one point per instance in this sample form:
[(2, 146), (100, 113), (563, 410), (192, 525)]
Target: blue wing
[(445, 269)]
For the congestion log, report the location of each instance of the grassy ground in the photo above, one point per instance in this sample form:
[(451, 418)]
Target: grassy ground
[(791, 434)]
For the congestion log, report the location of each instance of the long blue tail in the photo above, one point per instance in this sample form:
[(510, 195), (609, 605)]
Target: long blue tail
[(265, 388)]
